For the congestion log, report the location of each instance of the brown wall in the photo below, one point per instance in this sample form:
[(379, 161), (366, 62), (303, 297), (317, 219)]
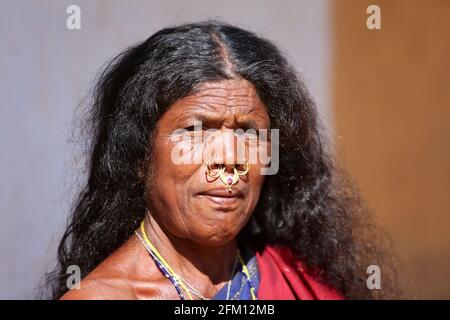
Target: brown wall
[(392, 109)]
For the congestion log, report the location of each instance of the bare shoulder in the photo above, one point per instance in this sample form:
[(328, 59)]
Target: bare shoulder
[(121, 276), (101, 289)]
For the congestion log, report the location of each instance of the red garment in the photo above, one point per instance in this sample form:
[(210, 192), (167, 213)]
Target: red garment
[(282, 277)]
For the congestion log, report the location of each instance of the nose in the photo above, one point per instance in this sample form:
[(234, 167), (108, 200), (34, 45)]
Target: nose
[(223, 150)]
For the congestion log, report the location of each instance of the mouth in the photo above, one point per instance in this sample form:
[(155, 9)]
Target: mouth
[(222, 197)]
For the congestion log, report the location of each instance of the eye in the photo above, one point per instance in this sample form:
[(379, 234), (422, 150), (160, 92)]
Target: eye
[(195, 128), (247, 132)]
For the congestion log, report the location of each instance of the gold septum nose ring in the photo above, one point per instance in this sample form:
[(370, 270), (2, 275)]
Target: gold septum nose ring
[(226, 179)]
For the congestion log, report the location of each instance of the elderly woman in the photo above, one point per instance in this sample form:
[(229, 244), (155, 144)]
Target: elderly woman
[(166, 215)]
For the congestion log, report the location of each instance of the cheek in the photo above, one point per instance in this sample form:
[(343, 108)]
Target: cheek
[(256, 183), (168, 165), (168, 183)]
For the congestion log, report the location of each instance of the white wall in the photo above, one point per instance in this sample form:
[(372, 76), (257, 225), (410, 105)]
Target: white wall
[(46, 69)]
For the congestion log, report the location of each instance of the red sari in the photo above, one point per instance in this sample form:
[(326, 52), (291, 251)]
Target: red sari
[(282, 277)]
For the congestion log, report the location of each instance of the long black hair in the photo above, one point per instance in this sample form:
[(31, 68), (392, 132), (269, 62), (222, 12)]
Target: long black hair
[(310, 205)]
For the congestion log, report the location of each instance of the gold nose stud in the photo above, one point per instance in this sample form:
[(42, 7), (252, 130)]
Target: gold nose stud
[(228, 180)]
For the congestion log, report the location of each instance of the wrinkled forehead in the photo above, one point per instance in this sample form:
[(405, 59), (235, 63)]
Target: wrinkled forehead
[(218, 99)]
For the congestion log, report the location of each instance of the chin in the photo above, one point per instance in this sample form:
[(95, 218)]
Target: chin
[(218, 238)]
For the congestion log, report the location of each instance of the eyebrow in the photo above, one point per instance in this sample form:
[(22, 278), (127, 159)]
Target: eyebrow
[(248, 123)]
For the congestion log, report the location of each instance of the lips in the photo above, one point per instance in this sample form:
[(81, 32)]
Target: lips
[(223, 193), (221, 196)]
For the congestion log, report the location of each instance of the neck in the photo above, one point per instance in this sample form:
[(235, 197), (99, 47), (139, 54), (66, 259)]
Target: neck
[(203, 266)]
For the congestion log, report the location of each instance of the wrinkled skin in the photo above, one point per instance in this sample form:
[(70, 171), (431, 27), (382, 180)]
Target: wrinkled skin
[(192, 219)]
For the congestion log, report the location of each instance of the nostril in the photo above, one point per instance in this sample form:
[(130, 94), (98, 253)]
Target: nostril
[(216, 166)]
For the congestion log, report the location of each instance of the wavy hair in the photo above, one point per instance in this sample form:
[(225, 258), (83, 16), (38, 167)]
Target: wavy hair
[(310, 205)]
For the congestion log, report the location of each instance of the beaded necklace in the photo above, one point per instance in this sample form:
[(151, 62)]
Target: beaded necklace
[(177, 281)]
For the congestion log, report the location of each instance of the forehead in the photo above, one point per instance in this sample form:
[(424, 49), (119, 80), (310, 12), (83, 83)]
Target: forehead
[(230, 93), (237, 96)]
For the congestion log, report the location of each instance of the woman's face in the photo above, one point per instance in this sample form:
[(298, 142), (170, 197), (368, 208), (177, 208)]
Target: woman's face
[(184, 200)]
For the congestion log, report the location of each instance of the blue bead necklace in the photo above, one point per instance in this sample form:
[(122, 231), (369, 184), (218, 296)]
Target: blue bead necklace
[(165, 269)]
